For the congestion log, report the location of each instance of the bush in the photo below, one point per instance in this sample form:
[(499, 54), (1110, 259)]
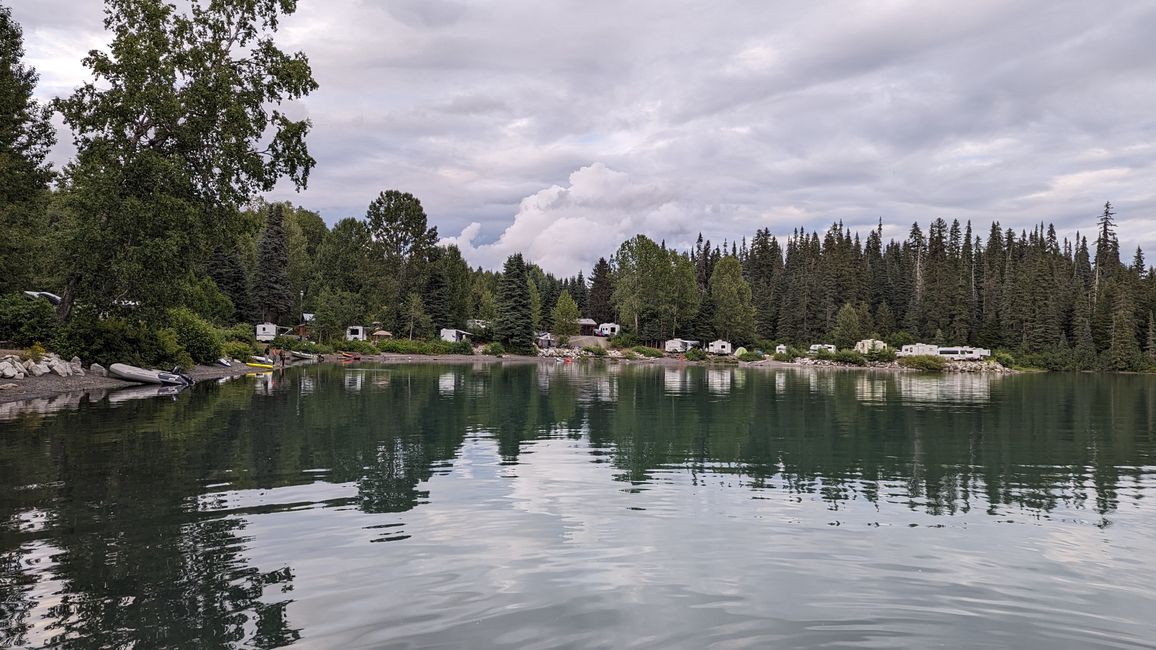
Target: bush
[(886, 355), (630, 356), (36, 352), (750, 356), (595, 350), (724, 360), (239, 332), (695, 354), (494, 349), (115, 340), (1004, 358), (196, 335), (237, 350), (849, 357), (784, 357), (927, 362), (25, 320), (623, 340), (825, 355), (360, 347), (646, 351), (406, 346)]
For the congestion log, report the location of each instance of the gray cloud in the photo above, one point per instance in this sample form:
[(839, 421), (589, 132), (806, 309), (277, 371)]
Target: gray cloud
[(744, 114)]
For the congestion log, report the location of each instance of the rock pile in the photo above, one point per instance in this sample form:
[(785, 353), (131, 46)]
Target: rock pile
[(13, 367), (978, 366)]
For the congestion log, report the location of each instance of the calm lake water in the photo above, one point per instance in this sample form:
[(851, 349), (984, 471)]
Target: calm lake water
[(584, 506)]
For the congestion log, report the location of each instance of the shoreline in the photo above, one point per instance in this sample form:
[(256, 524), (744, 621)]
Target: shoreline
[(53, 386)]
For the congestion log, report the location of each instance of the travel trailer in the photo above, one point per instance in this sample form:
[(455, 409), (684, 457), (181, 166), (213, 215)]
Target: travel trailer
[(719, 347), (355, 333), (609, 329), (680, 346)]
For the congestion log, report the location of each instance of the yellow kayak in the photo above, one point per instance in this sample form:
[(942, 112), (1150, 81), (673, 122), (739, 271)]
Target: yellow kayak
[(260, 365)]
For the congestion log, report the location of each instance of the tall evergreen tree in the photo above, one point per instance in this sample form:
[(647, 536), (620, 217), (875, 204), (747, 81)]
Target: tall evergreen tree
[(601, 296), (566, 315), (26, 137), (271, 285), (734, 318), (514, 327)]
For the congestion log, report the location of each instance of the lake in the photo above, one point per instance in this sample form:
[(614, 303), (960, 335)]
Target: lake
[(584, 506)]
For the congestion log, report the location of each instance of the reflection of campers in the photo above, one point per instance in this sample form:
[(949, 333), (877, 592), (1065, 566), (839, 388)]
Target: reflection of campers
[(608, 329), (355, 333), (266, 332)]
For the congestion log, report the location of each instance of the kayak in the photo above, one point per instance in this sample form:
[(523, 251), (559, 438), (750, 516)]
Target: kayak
[(145, 376), (224, 362), (267, 366)]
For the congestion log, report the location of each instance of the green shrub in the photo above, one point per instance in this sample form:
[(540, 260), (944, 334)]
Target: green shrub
[(825, 355), (623, 340), (239, 332), (646, 351), (886, 355), (196, 335), (850, 357), (751, 356), (784, 357), (360, 347), (115, 340), (1004, 358), (695, 354), (494, 349), (724, 360), (25, 320), (595, 350), (630, 356), (237, 350), (927, 362), (406, 346)]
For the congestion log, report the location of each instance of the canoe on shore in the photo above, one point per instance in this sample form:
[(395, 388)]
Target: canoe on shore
[(266, 366), (146, 376)]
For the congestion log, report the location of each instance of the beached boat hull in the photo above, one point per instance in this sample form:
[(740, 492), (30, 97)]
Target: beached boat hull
[(146, 376)]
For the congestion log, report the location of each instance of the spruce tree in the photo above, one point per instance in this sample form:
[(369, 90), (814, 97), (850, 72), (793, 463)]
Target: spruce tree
[(601, 296), (734, 317), (274, 297), (1124, 351), (847, 331), (514, 326)]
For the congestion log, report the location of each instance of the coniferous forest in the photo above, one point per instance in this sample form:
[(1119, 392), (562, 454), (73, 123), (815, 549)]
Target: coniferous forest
[(155, 232)]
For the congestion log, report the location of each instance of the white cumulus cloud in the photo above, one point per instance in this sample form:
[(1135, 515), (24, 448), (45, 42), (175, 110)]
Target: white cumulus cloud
[(566, 229)]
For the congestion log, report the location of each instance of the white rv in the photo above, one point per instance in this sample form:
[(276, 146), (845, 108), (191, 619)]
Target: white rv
[(454, 335), (918, 349), (867, 346), (679, 346), (818, 347), (355, 333), (609, 329), (719, 347), (964, 353), (266, 332)]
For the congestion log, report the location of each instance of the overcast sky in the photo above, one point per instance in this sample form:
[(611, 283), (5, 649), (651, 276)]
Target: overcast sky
[(561, 128)]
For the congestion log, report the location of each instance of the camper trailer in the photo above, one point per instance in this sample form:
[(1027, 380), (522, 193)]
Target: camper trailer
[(454, 335), (719, 347), (266, 332), (964, 353), (867, 346), (680, 346), (609, 329), (918, 349), (816, 348), (355, 333), (780, 349)]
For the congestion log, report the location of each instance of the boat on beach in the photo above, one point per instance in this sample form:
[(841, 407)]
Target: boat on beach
[(147, 376), (304, 356)]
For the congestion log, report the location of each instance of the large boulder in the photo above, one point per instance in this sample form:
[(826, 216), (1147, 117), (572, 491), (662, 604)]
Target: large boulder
[(60, 368), (39, 369), (77, 369), (98, 370), (7, 371)]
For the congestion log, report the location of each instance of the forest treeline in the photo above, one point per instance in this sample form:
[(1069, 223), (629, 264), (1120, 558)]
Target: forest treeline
[(156, 226)]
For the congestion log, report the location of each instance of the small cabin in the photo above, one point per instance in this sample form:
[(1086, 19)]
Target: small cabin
[(867, 346), (719, 347), (680, 346), (266, 332), (609, 329), (918, 349), (587, 326), (780, 349), (545, 340), (816, 348), (454, 335), (356, 333)]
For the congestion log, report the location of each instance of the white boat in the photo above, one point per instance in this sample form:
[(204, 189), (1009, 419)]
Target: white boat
[(144, 376), (224, 362), (303, 355)]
